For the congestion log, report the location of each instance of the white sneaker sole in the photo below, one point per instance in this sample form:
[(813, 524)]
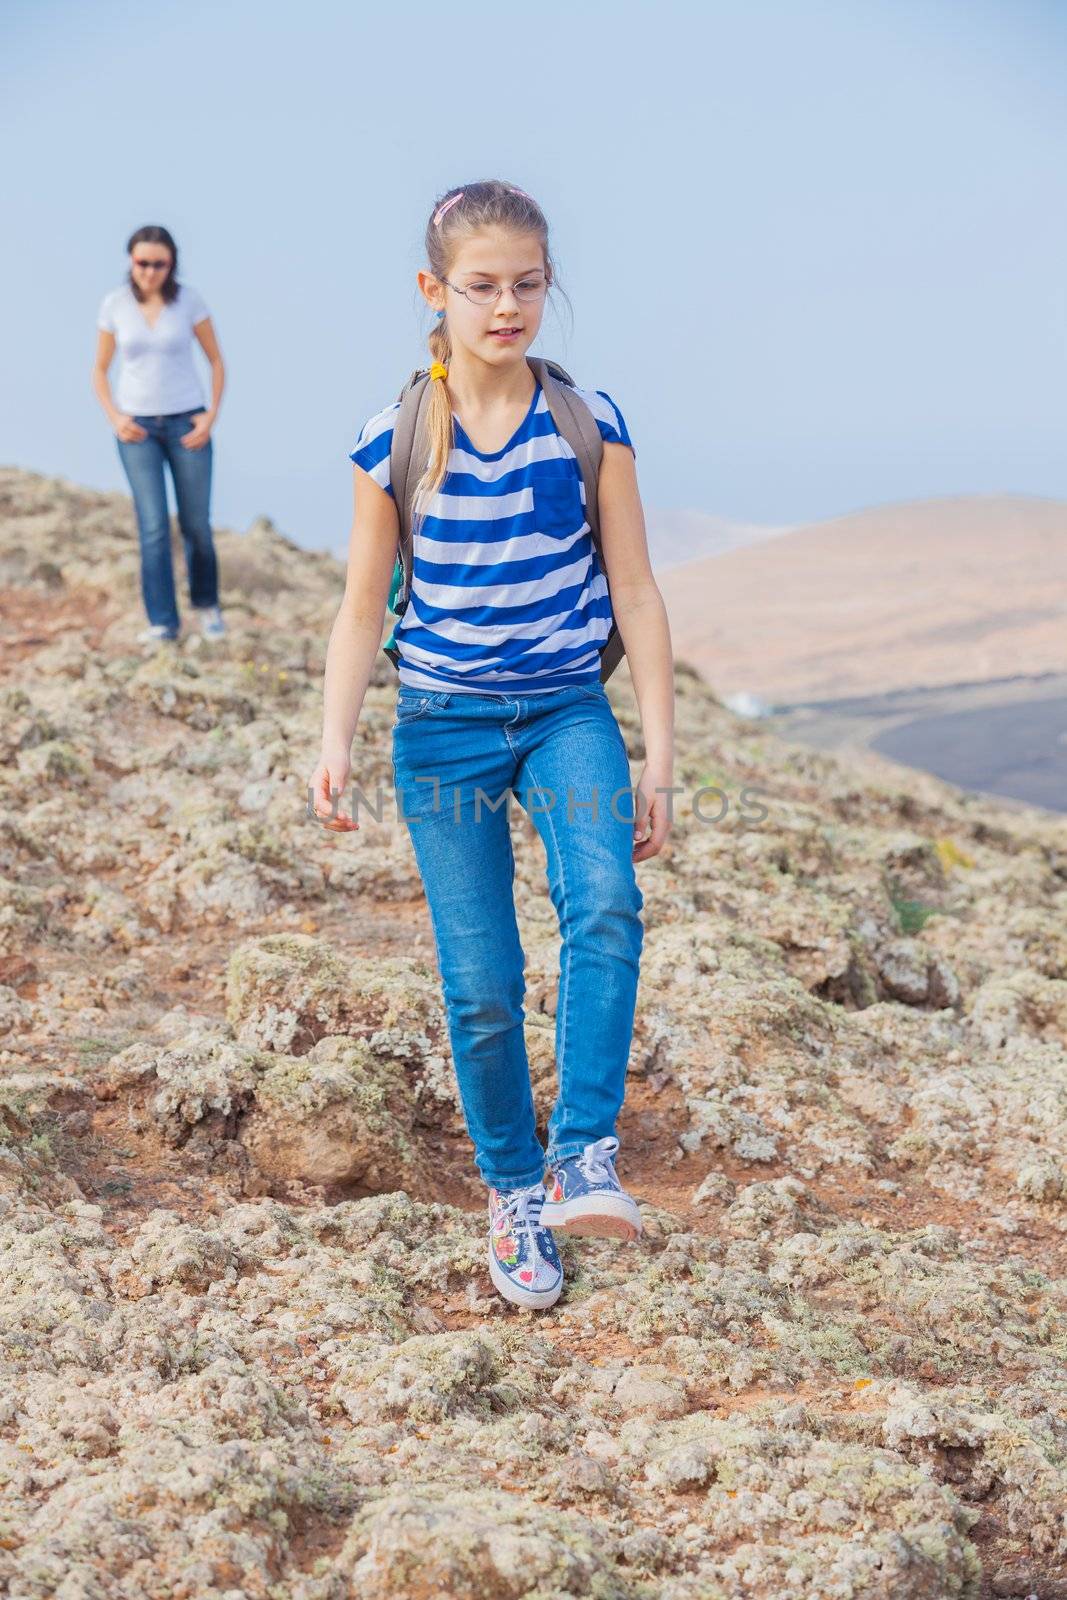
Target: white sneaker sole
[(534, 1299), (609, 1216)]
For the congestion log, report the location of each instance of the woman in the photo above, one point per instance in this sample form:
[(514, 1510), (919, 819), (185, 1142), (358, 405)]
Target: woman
[(159, 416)]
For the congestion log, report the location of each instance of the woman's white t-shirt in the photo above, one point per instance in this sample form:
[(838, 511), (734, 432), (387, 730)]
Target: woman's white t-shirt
[(157, 373)]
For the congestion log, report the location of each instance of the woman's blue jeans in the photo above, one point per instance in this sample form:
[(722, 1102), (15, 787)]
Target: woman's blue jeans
[(190, 471), (457, 760)]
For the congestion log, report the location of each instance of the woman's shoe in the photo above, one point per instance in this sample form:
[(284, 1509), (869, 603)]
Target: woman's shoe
[(156, 630), (211, 623), (584, 1195), (524, 1263)]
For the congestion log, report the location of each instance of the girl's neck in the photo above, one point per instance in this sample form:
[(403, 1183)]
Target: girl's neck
[(478, 389)]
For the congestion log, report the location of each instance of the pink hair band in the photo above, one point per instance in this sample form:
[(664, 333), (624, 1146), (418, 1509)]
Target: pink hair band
[(441, 211)]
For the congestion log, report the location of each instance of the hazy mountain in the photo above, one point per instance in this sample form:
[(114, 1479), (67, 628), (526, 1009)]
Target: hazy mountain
[(957, 588)]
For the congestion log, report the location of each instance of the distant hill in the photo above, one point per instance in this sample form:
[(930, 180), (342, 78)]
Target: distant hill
[(925, 592)]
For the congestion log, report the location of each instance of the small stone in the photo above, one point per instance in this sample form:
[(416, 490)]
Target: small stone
[(652, 1390)]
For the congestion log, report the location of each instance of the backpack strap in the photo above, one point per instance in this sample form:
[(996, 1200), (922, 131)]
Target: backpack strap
[(578, 426), (410, 446)]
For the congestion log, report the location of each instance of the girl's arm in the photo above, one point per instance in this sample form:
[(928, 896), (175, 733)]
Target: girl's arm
[(355, 639), (200, 432), (642, 619), (124, 426)]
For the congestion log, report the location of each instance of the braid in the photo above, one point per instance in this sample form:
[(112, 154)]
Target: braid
[(439, 420)]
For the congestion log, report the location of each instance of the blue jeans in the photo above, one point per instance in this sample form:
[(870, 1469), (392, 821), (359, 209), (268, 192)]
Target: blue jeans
[(190, 471), (457, 758)]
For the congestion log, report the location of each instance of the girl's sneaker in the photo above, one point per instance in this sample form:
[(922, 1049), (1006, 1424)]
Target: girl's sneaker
[(524, 1263), (154, 631), (211, 623), (585, 1195)]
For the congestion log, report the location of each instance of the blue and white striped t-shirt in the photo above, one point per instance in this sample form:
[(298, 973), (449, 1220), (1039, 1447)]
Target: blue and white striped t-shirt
[(508, 592)]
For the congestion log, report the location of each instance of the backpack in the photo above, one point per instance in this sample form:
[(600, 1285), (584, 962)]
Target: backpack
[(409, 454)]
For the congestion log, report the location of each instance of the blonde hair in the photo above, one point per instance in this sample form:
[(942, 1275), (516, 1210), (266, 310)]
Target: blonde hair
[(457, 215)]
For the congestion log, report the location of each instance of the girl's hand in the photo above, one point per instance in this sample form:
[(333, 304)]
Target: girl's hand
[(199, 433), (327, 785), (651, 819), (128, 431)]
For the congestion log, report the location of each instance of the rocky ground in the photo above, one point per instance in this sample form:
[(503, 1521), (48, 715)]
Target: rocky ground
[(249, 1344)]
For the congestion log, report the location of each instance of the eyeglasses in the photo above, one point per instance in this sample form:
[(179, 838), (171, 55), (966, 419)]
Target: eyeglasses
[(152, 266), (487, 294)]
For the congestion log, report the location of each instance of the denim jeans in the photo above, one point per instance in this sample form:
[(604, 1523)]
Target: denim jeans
[(457, 759), (190, 471)]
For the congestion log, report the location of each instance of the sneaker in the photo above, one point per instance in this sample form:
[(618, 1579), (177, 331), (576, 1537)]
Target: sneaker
[(584, 1194), (523, 1261), (211, 623), (157, 630)]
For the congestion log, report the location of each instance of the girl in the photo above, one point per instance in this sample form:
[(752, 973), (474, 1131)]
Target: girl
[(500, 693), (159, 416)]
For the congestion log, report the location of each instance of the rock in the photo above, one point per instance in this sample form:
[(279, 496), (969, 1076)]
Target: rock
[(917, 976), (650, 1390), (14, 1013), (285, 991), (771, 1209), (1041, 1177), (426, 1379), (335, 1115), (473, 1547), (716, 1189)]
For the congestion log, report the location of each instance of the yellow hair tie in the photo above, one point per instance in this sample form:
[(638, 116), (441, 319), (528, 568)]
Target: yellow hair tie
[(438, 371)]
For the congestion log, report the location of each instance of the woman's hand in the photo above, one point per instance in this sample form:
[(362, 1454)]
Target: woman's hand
[(128, 431), (326, 787), (200, 433), (652, 820)]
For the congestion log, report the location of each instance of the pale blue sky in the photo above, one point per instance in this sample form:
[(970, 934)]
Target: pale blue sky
[(815, 249)]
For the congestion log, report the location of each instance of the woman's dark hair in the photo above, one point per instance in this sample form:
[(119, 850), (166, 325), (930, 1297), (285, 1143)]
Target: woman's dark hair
[(155, 235)]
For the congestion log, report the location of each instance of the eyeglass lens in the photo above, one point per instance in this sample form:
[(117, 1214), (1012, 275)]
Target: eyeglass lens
[(483, 294)]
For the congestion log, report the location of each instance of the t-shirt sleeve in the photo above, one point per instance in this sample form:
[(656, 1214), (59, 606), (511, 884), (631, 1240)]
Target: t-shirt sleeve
[(609, 419), (195, 304), (374, 444), (105, 317)]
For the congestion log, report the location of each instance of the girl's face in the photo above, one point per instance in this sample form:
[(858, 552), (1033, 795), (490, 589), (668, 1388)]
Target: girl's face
[(502, 331), (150, 264)]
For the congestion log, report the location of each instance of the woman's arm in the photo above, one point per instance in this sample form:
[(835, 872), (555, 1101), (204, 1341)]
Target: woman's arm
[(200, 432), (124, 426), (355, 639), (642, 620)]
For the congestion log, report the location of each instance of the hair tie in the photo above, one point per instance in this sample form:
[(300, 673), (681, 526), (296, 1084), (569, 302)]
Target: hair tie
[(438, 370), (438, 214)]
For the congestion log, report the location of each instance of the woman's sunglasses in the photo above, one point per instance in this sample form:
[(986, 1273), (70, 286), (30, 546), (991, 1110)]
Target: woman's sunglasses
[(152, 266)]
